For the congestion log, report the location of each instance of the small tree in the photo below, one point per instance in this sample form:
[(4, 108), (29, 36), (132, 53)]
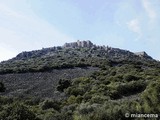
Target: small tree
[(63, 84), (2, 88)]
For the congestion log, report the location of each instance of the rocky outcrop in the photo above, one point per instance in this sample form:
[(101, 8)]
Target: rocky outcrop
[(36, 53), (143, 54), (78, 44)]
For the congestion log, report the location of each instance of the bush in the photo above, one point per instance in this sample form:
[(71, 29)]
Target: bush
[(85, 108), (2, 88), (114, 94), (47, 104), (107, 111), (98, 99), (129, 77), (32, 101), (17, 112), (131, 88), (63, 84), (151, 97), (75, 91), (5, 100)]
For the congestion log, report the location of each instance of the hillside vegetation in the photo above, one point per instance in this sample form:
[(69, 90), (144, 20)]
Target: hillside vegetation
[(89, 84)]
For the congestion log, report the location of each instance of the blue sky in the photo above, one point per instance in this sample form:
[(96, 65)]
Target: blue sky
[(33, 24)]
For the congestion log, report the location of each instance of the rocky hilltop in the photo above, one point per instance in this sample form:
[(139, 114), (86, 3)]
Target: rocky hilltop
[(89, 44), (105, 50), (68, 56)]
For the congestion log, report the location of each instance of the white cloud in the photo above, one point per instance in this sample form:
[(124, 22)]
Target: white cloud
[(134, 26), (149, 10), (26, 32)]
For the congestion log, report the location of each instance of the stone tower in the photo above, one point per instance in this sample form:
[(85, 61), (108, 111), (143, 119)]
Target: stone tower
[(78, 44)]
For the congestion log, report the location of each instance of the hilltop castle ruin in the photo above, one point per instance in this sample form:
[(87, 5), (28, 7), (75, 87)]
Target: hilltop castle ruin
[(78, 44)]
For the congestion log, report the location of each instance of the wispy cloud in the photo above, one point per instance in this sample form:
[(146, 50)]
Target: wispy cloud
[(134, 26), (150, 10)]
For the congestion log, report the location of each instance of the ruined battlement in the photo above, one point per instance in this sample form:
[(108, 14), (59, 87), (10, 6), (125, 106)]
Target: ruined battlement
[(78, 44)]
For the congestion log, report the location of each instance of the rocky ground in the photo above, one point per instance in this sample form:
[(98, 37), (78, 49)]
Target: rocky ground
[(40, 84)]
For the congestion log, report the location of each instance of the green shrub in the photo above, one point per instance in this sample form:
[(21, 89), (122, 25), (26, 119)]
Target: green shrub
[(85, 108), (75, 91), (33, 101), (47, 104), (17, 112), (151, 97), (130, 77), (107, 111), (63, 84), (98, 99), (71, 100), (5, 100), (114, 94), (2, 88), (131, 88)]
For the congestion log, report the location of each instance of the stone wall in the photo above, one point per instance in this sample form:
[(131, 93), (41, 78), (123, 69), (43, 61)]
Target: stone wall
[(79, 44)]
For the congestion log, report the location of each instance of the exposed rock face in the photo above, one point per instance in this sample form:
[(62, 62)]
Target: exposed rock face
[(143, 54), (79, 44), (37, 53)]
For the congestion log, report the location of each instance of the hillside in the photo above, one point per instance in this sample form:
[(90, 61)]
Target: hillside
[(69, 57), (79, 81)]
